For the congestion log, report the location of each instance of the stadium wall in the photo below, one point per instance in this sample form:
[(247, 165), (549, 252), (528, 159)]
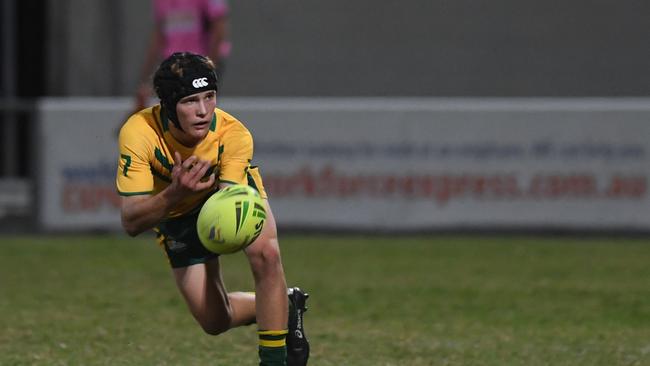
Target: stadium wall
[(389, 164), (374, 48)]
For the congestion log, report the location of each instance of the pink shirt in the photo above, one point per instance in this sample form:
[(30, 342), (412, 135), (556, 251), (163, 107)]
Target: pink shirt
[(184, 24)]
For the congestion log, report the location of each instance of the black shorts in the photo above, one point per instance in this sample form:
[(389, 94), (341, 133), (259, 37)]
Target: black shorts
[(181, 242), (179, 238)]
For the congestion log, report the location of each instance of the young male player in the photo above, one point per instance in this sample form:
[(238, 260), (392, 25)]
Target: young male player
[(173, 156)]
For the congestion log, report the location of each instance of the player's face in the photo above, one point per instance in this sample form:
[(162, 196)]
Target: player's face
[(195, 113)]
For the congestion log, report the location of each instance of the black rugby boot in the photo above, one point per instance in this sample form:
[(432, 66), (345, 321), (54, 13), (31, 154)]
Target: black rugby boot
[(297, 343)]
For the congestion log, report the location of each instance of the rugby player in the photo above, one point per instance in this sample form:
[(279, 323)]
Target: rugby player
[(173, 156)]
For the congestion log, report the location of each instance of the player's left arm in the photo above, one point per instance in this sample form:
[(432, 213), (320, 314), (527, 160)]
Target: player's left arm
[(237, 155)]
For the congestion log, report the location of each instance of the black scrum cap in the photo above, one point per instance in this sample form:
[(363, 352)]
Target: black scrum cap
[(180, 75)]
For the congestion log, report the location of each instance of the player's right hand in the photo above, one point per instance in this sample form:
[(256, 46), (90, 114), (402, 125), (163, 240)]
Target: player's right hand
[(187, 175)]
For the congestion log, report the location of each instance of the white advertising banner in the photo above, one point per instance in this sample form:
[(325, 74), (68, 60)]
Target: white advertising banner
[(77, 163), (393, 164)]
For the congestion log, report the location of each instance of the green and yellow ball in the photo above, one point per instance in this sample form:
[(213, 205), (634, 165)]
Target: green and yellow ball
[(231, 219)]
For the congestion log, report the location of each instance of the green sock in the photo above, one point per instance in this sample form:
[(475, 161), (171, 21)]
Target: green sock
[(273, 347)]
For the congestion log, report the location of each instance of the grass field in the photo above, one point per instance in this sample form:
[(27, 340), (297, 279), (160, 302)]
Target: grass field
[(439, 300)]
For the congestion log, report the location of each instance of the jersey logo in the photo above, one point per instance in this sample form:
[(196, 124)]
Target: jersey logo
[(200, 82), (175, 246)]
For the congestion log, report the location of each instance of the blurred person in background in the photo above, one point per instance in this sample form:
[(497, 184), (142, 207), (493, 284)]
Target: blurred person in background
[(197, 26), (173, 157)]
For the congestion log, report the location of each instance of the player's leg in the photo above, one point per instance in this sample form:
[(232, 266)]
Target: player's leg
[(271, 293), (270, 285), (264, 256), (205, 294), (198, 277)]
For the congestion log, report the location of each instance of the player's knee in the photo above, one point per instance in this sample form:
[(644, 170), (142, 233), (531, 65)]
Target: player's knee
[(215, 327), (265, 255), (214, 330), (214, 322)]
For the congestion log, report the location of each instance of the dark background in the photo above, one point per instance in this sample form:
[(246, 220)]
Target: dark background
[(356, 48)]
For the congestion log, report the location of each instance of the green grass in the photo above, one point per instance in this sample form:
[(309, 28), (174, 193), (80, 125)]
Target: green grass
[(441, 300)]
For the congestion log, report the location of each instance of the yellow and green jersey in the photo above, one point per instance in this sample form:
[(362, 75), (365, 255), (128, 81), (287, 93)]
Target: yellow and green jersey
[(147, 156)]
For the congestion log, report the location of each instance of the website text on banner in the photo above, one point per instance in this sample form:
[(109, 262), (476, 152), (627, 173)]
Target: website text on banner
[(402, 165)]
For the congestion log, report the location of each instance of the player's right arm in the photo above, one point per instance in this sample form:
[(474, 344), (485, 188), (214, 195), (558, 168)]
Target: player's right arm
[(143, 212), (142, 207)]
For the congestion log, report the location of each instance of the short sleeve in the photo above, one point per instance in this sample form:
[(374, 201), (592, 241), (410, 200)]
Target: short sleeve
[(236, 156), (134, 176)]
